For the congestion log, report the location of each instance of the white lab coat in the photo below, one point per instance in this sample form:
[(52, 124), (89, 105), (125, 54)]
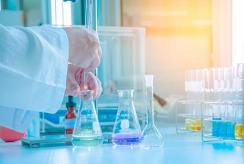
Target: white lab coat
[(33, 70)]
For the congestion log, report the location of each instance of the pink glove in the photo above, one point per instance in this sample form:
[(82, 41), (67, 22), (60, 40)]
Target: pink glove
[(84, 47), (75, 82), (9, 135)]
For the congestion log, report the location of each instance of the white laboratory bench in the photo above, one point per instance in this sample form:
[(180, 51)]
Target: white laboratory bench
[(178, 149)]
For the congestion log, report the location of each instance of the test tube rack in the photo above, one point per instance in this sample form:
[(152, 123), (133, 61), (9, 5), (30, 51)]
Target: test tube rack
[(191, 121), (226, 124), (214, 104)]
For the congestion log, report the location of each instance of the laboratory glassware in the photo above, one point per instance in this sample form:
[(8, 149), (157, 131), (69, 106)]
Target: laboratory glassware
[(70, 116), (88, 25), (126, 128), (240, 70), (238, 131), (87, 130), (151, 137)]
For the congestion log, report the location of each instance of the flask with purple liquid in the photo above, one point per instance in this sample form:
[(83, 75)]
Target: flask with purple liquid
[(126, 129)]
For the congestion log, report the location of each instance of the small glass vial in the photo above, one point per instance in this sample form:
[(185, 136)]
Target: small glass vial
[(215, 126), (193, 125), (242, 132), (238, 131), (222, 129), (230, 130), (198, 125), (188, 124), (70, 116)]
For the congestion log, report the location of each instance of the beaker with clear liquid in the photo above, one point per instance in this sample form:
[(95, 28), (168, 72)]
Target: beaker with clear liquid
[(87, 130), (151, 137), (126, 130)]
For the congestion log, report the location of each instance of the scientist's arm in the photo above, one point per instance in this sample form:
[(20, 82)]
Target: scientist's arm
[(33, 67)]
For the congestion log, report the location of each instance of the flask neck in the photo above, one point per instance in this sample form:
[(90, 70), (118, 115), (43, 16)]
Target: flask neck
[(149, 105), (86, 96)]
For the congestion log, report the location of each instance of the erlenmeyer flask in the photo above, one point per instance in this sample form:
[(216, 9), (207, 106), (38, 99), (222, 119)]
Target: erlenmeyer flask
[(87, 130), (126, 129), (151, 137)]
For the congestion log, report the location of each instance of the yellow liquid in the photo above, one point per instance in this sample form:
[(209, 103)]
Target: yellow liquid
[(243, 132), (238, 131), (198, 128), (193, 125), (188, 124), (198, 125)]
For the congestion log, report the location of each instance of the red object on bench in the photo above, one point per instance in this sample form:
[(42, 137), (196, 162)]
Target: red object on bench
[(9, 135)]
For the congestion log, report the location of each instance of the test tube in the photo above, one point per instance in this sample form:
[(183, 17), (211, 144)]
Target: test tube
[(227, 79), (188, 91), (187, 85), (216, 85), (194, 98), (209, 84), (216, 98), (240, 70), (208, 97)]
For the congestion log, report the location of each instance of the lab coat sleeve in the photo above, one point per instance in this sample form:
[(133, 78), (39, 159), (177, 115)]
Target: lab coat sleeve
[(17, 119), (33, 69)]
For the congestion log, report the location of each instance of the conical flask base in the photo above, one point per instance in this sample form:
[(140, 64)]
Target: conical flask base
[(126, 138), (87, 141), (151, 137)]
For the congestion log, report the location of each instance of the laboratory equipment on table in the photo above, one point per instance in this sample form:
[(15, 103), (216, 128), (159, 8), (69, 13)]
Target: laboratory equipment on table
[(194, 88), (216, 126), (239, 131), (70, 116), (49, 140), (230, 130), (126, 128), (221, 100), (87, 130), (52, 137), (226, 115), (151, 137)]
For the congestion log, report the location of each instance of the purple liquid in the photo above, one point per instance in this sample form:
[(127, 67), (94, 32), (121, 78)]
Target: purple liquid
[(126, 139)]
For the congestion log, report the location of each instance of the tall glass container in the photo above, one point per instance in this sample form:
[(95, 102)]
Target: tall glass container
[(151, 137)]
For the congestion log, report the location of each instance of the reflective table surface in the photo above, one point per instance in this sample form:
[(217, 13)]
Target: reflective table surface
[(178, 149)]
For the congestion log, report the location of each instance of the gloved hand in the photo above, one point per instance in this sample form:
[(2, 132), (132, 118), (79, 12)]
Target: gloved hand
[(75, 82), (84, 47)]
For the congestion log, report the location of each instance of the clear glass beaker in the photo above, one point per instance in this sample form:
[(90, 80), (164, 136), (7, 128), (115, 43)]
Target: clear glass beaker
[(126, 130), (151, 137), (87, 130)]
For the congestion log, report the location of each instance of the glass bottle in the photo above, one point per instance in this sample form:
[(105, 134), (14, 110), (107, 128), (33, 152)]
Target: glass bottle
[(87, 130), (151, 137), (126, 128), (70, 116)]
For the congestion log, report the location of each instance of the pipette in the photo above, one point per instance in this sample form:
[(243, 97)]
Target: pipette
[(88, 24)]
